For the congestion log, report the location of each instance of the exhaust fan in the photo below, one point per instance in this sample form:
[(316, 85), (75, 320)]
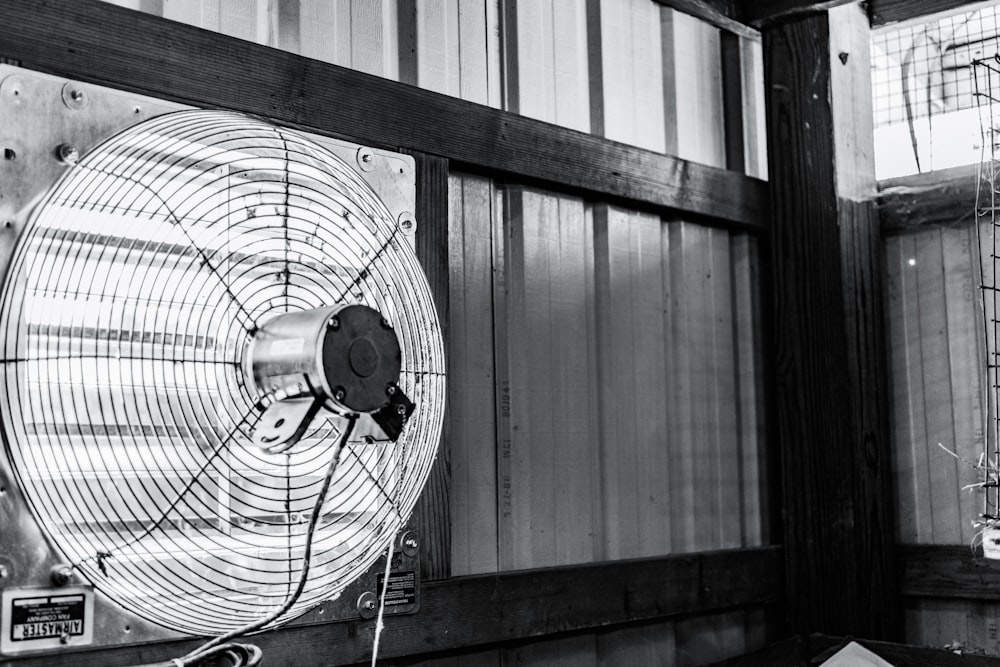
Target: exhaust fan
[(222, 368)]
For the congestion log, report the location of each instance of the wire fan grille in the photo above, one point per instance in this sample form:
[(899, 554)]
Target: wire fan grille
[(127, 415)]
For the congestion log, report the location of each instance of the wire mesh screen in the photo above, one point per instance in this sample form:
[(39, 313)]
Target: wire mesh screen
[(127, 409), (986, 88), (924, 107)]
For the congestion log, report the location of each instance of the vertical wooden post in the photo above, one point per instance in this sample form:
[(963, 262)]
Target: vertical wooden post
[(432, 512), (830, 354)]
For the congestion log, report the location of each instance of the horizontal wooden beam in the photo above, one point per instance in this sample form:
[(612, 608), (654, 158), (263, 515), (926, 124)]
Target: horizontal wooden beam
[(768, 12), (938, 198), (822, 647), (722, 14), (937, 571), (102, 43), (883, 12), (491, 609)]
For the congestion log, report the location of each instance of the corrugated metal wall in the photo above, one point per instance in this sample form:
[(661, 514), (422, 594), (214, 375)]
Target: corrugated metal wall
[(605, 365)]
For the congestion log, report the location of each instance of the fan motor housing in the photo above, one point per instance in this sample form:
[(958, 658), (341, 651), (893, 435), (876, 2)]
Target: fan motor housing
[(348, 355)]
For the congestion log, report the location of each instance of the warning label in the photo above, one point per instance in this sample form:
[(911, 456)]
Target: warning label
[(402, 588), (47, 617)]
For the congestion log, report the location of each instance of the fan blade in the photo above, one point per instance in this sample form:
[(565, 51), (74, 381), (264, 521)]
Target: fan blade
[(284, 422)]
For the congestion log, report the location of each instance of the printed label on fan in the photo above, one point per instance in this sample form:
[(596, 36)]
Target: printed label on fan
[(44, 618), (402, 589)]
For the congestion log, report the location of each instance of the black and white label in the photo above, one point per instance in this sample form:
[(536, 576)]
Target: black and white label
[(36, 618), (45, 617), (402, 588)]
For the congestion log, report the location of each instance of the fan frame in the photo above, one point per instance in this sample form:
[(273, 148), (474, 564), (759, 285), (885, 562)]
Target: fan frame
[(45, 119)]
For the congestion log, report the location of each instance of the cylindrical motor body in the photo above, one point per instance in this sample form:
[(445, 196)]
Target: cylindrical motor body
[(347, 355)]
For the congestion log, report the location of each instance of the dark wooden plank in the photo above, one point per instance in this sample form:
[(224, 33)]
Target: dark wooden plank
[(830, 396), (723, 14), (732, 100), (940, 571), (899, 654), (883, 12), (103, 43), (432, 510), (789, 652), (489, 609), (944, 198), (761, 13)]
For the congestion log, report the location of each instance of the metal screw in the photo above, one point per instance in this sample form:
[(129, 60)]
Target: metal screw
[(68, 153), (407, 224), (367, 604), (401, 409), (339, 393), (61, 575), (390, 390), (3, 571), (77, 95), (409, 543), (64, 638), (333, 323), (366, 159)]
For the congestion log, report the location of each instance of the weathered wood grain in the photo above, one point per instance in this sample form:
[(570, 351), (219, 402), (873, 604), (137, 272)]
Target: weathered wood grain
[(883, 12), (831, 403), (433, 511), (945, 198), (489, 609), (102, 43), (942, 571)]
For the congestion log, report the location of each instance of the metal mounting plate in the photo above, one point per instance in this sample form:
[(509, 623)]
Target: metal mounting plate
[(44, 121)]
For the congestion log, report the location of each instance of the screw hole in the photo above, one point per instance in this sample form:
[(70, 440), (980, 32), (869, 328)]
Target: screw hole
[(128, 628), (278, 423), (16, 92), (9, 153)]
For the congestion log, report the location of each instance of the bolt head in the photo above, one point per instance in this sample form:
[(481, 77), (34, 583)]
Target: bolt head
[(401, 409), (3, 571), (390, 390), (339, 393), (68, 153), (333, 323)]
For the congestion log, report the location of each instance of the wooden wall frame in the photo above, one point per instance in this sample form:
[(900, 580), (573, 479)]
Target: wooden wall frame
[(105, 44)]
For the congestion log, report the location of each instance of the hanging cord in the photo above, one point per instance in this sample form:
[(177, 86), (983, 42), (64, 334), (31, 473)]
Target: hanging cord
[(248, 655), (381, 606)]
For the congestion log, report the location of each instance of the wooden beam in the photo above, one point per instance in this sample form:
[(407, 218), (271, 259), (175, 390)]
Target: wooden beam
[(956, 572), (830, 357), (821, 647), (944, 198), (105, 44), (883, 12), (723, 14), (769, 12), (490, 609), (432, 512)]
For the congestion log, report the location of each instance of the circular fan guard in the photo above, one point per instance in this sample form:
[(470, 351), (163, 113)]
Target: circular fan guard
[(130, 303)]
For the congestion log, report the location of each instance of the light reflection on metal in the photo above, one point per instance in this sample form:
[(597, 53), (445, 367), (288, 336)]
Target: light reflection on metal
[(134, 291)]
